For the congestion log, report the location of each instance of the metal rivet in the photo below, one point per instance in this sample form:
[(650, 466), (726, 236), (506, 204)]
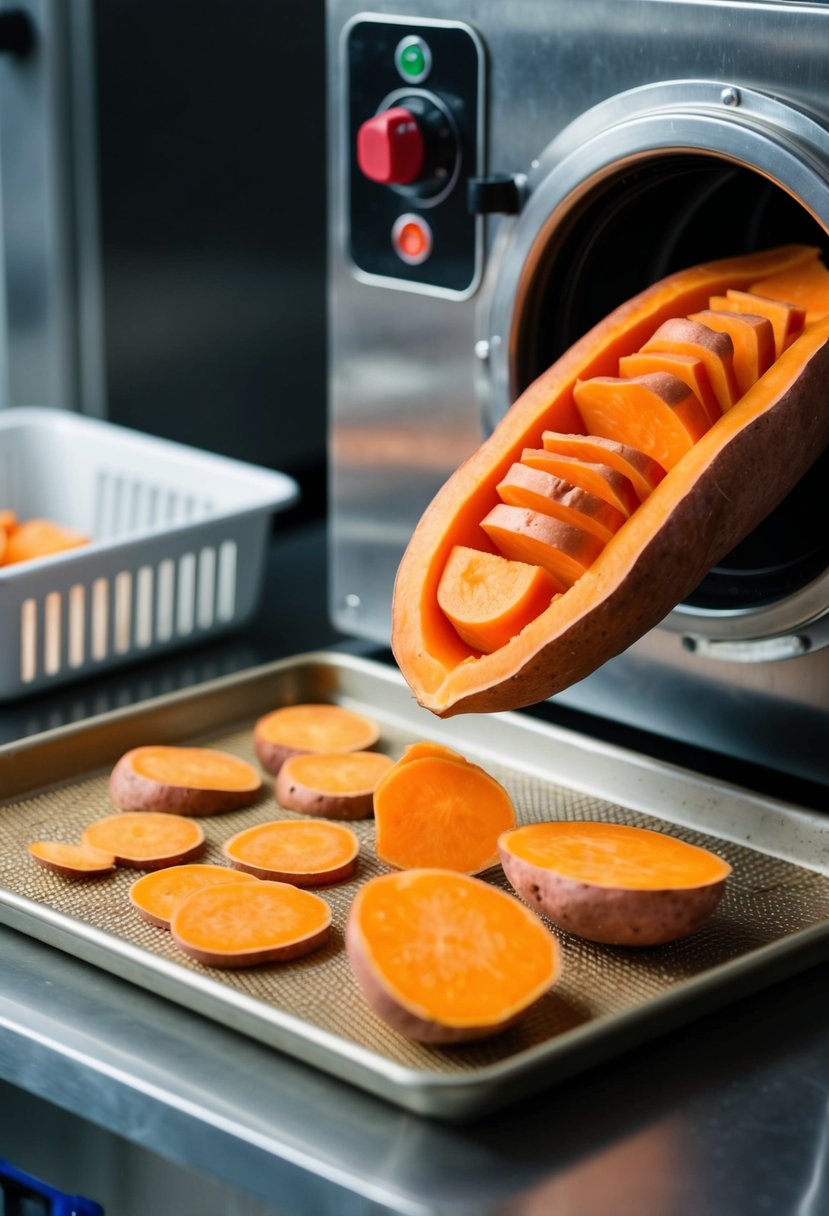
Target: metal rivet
[(352, 601), (730, 97), (482, 350)]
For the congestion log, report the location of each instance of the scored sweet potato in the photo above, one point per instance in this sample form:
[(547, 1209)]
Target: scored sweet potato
[(490, 599), (146, 840), (183, 781), (155, 896), (333, 785), (444, 958), (805, 286), (689, 368), (540, 491), (245, 924), (682, 336), (563, 550), (305, 852), (612, 883), (787, 320), (642, 471), (658, 413), (296, 729), (597, 477), (72, 860), (753, 340), (435, 808)]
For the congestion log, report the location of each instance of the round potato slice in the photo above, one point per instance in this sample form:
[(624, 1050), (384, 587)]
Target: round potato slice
[(296, 729), (183, 781), (146, 840), (155, 896), (333, 785), (304, 852), (72, 860)]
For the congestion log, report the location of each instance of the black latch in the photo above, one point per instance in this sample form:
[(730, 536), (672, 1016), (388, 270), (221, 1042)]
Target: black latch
[(498, 194), (17, 35)]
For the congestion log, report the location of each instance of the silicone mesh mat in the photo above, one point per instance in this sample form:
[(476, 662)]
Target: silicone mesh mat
[(766, 899)]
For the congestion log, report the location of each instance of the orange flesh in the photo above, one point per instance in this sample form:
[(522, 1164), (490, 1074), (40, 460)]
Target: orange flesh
[(8, 520), (681, 336), (195, 768), (540, 491), (753, 340), (434, 811), (159, 893), (688, 368), (787, 320), (597, 478), (643, 473), (318, 728), (657, 413), (564, 551), (294, 846), (616, 856), (41, 538), (453, 949), (490, 599), (82, 859), (144, 836), (808, 287), (248, 918), (338, 772)]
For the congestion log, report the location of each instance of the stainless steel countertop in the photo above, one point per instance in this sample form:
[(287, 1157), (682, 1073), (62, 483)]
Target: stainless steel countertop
[(726, 1115)]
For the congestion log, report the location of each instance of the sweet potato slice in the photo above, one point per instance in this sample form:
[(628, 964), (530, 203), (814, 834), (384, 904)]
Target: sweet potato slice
[(296, 729), (613, 883), (244, 924), (689, 368), (433, 809), (563, 550), (333, 785), (597, 477), (642, 471), (681, 336), (658, 413), (155, 896), (305, 852), (444, 958), (807, 286), (41, 538), (489, 599), (183, 781), (752, 338), (787, 320), (8, 520), (540, 491), (146, 840), (72, 860)]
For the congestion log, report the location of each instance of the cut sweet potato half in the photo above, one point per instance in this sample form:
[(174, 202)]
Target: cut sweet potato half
[(612, 883), (332, 785), (540, 491), (296, 729), (305, 852), (752, 338), (658, 413), (246, 924), (643, 472), (689, 368), (434, 809), (682, 336), (155, 896), (183, 781), (490, 599), (72, 860), (787, 320), (444, 958), (563, 550), (146, 840), (597, 477)]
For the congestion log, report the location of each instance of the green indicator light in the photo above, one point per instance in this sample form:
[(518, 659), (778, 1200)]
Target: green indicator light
[(413, 59)]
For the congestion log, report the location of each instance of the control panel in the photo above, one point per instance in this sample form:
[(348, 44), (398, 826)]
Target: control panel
[(414, 138)]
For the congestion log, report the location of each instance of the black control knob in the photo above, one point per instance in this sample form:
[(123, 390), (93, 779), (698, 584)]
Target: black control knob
[(17, 33)]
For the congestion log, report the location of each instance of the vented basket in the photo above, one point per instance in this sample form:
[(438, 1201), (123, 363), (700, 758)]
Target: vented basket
[(177, 553)]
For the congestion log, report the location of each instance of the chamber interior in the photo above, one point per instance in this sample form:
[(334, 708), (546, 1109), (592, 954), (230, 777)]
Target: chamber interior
[(640, 224)]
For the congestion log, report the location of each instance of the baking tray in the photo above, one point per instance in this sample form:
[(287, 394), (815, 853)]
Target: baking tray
[(772, 921)]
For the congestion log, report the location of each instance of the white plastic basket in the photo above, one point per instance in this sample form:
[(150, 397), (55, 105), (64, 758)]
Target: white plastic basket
[(177, 553)]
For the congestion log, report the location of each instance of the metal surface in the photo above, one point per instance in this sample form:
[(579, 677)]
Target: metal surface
[(773, 920), (578, 97)]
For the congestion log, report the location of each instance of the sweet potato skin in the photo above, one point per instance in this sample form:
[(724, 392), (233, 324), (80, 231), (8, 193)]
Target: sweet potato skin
[(609, 915), (131, 791)]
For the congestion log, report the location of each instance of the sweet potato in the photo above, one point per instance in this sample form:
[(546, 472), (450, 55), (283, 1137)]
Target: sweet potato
[(434, 808), (183, 781), (658, 413), (146, 840), (539, 491), (34, 538), (561, 549), (682, 336), (806, 286), (333, 785), (490, 599), (689, 368), (641, 470), (244, 924), (72, 860), (612, 883), (305, 852), (444, 958), (597, 477), (296, 729), (155, 896), (787, 320), (753, 339)]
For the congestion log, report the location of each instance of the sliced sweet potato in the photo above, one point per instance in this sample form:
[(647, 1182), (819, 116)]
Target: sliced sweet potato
[(35, 538), (183, 781), (8, 520), (245, 924), (806, 286), (333, 785), (597, 477), (305, 852), (613, 883), (146, 840), (72, 860), (563, 550), (689, 368), (155, 896), (658, 413), (438, 809), (490, 599), (296, 729), (787, 320), (540, 491), (753, 340), (681, 336), (444, 958), (642, 471)]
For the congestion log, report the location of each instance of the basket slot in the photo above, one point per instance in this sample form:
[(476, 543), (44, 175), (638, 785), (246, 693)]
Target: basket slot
[(186, 594), (76, 640), (226, 583), (99, 619), (165, 600), (125, 504), (28, 641), (144, 607)]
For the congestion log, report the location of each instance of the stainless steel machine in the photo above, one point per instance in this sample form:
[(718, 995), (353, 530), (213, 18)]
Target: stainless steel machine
[(499, 182)]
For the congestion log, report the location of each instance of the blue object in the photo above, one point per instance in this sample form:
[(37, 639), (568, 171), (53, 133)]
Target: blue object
[(24, 1195)]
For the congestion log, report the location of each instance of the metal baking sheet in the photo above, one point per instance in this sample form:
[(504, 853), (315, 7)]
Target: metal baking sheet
[(772, 921)]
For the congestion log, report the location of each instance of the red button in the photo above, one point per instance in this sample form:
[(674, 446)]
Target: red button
[(411, 237), (390, 147)]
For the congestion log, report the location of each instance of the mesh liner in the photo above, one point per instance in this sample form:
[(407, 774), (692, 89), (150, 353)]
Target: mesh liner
[(766, 899)]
